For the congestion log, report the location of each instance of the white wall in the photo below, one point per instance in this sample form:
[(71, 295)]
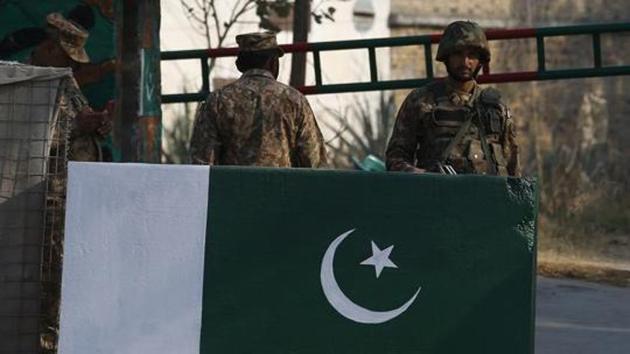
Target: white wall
[(337, 67)]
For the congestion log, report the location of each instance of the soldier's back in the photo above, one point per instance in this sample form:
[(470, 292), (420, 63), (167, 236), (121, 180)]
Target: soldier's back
[(257, 120)]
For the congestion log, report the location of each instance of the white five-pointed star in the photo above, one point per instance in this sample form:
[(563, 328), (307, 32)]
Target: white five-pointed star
[(380, 259)]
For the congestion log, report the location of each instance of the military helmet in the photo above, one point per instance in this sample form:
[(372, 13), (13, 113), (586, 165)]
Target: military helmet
[(461, 34)]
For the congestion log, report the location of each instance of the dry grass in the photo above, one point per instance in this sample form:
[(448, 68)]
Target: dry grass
[(581, 251), (612, 273)]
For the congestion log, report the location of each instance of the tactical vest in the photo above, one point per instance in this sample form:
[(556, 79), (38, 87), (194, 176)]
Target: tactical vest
[(470, 138)]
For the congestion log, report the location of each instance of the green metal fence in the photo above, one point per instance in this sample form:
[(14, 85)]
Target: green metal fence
[(425, 41)]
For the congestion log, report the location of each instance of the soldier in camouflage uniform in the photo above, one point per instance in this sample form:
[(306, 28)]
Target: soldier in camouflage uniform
[(256, 120), (65, 47), (454, 126)]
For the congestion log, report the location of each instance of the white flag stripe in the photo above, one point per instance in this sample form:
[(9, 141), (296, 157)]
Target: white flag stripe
[(133, 265)]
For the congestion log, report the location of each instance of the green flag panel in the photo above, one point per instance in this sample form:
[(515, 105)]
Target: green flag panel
[(435, 264)]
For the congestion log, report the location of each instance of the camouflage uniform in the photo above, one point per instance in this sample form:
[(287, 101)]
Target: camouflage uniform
[(68, 143), (437, 125), (72, 38), (257, 121), (82, 146)]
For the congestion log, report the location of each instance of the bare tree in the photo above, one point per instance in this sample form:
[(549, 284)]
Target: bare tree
[(204, 18)]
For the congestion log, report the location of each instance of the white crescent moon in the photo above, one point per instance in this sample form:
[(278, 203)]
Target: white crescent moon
[(342, 303)]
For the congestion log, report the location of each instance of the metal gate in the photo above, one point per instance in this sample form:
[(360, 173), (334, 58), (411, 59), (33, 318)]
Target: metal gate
[(375, 83)]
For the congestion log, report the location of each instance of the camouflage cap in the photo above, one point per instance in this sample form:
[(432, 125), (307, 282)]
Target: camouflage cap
[(72, 37), (258, 41), (461, 34)]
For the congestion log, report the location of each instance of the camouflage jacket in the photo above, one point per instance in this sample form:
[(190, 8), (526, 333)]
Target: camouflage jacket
[(432, 116), (257, 121), (81, 146), (68, 142)]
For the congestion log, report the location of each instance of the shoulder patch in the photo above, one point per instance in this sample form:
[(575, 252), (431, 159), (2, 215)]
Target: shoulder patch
[(490, 96)]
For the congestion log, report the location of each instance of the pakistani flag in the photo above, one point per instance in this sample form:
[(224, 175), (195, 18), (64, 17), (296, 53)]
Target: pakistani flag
[(192, 259)]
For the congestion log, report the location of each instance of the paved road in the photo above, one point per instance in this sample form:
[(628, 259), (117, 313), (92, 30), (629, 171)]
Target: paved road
[(576, 317)]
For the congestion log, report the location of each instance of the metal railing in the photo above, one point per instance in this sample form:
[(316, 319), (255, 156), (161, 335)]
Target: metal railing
[(425, 41)]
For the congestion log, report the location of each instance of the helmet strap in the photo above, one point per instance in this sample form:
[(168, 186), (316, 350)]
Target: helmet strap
[(476, 73)]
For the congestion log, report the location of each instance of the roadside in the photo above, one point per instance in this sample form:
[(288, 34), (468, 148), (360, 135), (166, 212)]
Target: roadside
[(594, 254), (612, 273)]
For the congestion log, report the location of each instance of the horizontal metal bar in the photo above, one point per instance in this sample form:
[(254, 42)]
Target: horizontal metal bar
[(415, 83), (364, 86), (492, 78), (405, 41), (426, 41), (514, 33), (184, 54), (508, 77), (184, 97), (305, 47), (584, 73), (376, 42), (584, 29), (562, 74)]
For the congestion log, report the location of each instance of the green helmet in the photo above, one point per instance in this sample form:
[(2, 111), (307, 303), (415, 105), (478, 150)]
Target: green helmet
[(460, 34)]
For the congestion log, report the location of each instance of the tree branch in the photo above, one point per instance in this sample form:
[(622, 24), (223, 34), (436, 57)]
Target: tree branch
[(233, 19), (236, 6), (217, 24), (197, 22), (228, 24)]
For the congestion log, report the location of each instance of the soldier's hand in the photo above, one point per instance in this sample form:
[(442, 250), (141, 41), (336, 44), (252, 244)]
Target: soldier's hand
[(89, 121), (107, 66), (105, 128), (413, 169)]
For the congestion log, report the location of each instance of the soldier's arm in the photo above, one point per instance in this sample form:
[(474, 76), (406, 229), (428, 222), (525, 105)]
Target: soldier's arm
[(310, 150), (74, 103), (513, 165), (204, 143), (83, 120), (94, 72), (401, 149), (85, 125)]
